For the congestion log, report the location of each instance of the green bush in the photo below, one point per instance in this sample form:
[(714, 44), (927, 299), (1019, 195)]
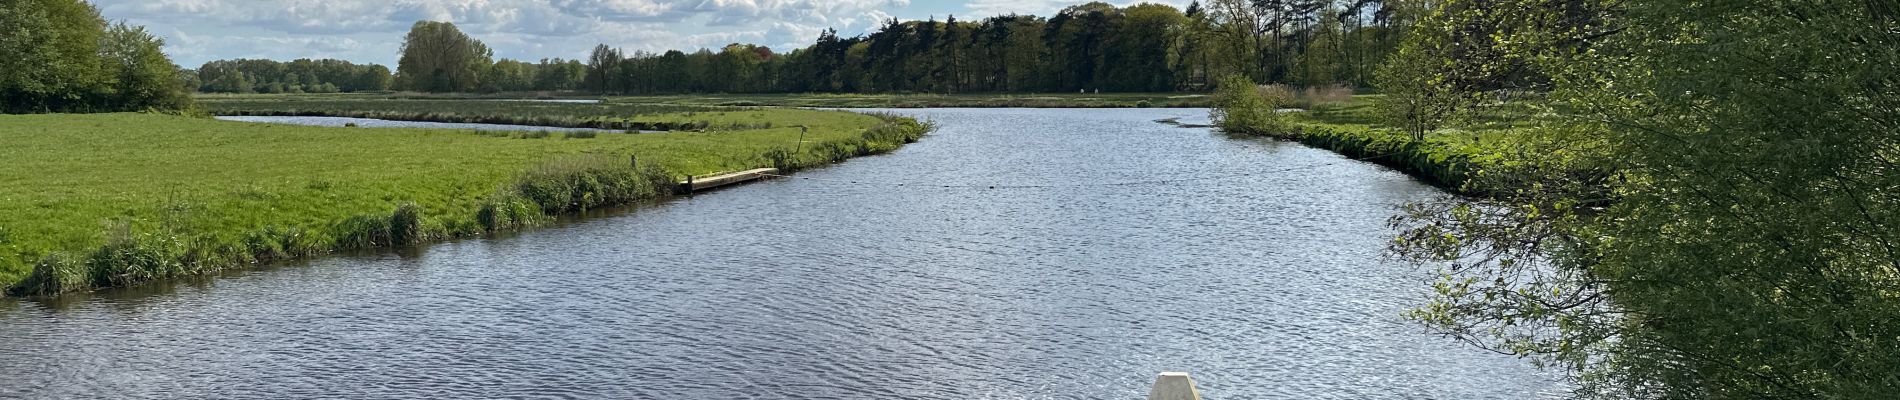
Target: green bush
[(406, 227), (1242, 107), (54, 274), (362, 231), (127, 260)]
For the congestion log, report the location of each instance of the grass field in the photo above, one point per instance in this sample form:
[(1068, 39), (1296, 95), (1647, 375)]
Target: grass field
[(609, 116), (1446, 158), (116, 199)]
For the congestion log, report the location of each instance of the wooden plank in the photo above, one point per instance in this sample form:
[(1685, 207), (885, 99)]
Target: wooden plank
[(694, 184)]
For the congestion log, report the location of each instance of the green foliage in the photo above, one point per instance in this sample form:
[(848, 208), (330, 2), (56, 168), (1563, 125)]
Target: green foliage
[(61, 56), (1242, 107), (1704, 215), (301, 75), (57, 273), (1417, 99), (406, 226), (508, 210), (1086, 47), (437, 57), (146, 79), (587, 182), (1467, 55)]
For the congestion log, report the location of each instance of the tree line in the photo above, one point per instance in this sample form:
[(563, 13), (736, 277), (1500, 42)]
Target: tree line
[(70, 59), (297, 76), (1093, 46), (62, 56)]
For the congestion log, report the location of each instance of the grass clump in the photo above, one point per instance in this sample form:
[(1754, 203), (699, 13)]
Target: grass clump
[(591, 181)]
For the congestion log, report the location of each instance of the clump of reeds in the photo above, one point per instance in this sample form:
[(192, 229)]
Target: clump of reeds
[(283, 243), (590, 181), (406, 226), (56, 273), (362, 231)]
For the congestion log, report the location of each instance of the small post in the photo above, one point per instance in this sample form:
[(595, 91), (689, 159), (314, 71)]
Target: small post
[(801, 138), (633, 161), (1174, 386), (689, 184)]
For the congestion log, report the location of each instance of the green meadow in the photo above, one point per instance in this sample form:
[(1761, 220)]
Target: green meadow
[(102, 200)]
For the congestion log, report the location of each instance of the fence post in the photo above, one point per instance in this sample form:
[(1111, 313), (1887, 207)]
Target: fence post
[(801, 139), (1174, 386)]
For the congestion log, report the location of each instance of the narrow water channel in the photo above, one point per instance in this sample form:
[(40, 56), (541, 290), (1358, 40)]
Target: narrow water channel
[(1111, 249)]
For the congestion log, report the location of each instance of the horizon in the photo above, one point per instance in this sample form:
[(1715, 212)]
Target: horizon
[(199, 31)]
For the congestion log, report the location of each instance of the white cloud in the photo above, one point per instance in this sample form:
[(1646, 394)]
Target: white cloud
[(1047, 7)]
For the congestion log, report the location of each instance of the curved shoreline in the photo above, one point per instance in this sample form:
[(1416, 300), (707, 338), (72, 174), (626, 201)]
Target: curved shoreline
[(558, 187)]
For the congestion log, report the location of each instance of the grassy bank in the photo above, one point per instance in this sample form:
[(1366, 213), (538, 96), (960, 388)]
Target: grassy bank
[(89, 201), (659, 117), (1446, 159)]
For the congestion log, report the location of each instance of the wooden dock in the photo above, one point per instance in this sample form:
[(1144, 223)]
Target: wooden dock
[(695, 184)]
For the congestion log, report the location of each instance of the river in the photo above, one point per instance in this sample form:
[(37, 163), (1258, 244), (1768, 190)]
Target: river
[(1112, 248)]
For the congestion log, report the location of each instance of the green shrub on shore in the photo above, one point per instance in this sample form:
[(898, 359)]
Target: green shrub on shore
[(507, 210), (56, 273), (1242, 107)]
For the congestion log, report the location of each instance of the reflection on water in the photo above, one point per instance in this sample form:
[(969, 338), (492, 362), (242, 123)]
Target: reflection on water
[(1263, 285)]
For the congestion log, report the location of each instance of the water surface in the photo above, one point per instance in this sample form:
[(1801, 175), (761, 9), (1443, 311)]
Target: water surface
[(1112, 248)]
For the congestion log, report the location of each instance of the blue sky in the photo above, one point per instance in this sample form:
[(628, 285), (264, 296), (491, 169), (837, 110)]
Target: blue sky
[(371, 30)]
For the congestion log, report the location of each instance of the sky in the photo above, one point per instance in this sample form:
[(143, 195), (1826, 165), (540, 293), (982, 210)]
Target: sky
[(196, 31)]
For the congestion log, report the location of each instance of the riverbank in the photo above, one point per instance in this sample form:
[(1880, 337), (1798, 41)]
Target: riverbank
[(107, 200), (1352, 128)]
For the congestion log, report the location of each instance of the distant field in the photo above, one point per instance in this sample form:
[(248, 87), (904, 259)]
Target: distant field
[(70, 181), (1044, 100), (610, 116)]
